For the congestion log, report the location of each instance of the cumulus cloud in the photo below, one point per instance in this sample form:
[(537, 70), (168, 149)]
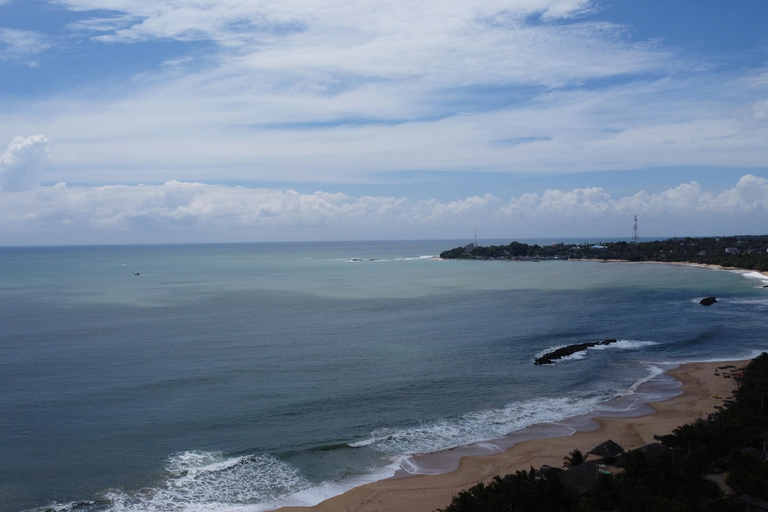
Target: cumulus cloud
[(748, 196), (22, 161), (183, 211)]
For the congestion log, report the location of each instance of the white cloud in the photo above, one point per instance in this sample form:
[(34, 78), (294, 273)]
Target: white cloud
[(179, 132), (105, 24), (20, 44), (179, 211), (750, 195), (760, 110), (336, 91), (21, 163), (324, 44), (687, 201)]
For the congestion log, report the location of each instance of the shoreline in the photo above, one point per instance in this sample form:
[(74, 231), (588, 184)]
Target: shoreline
[(681, 264), (700, 390), (678, 263)]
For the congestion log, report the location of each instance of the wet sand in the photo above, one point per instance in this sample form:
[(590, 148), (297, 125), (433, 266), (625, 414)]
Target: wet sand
[(701, 389)]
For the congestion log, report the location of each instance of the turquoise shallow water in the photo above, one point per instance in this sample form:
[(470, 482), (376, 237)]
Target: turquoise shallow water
[(249, 376)]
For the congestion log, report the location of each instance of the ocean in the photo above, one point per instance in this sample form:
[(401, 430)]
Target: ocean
[(249, 376)]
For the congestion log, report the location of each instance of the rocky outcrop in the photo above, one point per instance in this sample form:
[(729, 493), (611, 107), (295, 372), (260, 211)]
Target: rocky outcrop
[(707, 301), (551, 357)]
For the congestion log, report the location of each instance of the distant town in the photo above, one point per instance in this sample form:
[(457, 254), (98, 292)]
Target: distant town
[(746, 252)]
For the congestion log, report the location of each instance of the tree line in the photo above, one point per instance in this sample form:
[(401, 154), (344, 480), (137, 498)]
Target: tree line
[(747, 252)]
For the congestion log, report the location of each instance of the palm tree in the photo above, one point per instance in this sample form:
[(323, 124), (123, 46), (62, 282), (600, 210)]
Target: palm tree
[(576, 458)]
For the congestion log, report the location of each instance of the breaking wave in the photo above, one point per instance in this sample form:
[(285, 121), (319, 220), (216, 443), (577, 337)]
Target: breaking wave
[(210, 481), (475, 427)]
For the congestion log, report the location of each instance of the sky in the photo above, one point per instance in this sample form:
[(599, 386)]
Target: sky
[(166, 121)]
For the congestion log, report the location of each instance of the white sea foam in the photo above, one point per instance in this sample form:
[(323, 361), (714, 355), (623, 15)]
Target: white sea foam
[(478, 426), (315, 494), (653, 372), (198, 481), (625, 345), (358, 259), (211, 481), (745, 356), (575, 356), (754, 275), (750, 302)]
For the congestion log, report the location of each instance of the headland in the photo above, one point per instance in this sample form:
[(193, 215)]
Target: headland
[(735, 252)]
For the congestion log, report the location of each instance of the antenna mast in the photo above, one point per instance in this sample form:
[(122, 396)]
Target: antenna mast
[(634, 238), (475, 236)]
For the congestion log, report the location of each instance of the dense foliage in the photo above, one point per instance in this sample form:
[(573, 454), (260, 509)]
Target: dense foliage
[(750, 252), (674, 479)]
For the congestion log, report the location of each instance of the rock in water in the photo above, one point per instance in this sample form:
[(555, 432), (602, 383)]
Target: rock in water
[(551, 357), (707, 301)]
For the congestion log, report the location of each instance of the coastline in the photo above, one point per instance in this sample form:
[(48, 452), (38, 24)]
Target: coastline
[(700, 390), (681, 264)]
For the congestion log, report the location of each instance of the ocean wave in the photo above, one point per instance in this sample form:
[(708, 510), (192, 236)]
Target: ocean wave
[(749, 302), (215, 482), (653, 372), (403, 258), (754, 275), (315, 494), (625, 345), (476, 427), (73, 506), (746, 355), (198, 481), (205, 481)]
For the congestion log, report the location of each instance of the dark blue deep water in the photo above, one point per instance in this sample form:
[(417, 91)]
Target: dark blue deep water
[(251, 376)]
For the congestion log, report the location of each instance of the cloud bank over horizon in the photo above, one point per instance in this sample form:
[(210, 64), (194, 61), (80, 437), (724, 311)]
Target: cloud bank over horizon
[(177, 211)]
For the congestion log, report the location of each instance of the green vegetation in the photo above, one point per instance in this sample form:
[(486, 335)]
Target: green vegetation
[(661, 479), (748, 252), (575, 458)]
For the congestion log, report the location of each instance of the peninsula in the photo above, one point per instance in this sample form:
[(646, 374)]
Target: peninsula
[(744, 252)]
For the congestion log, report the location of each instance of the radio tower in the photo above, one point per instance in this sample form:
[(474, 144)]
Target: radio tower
[(475, 236), (634, 238)]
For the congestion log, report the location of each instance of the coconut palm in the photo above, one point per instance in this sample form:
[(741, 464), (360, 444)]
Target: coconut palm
[(575, 458)]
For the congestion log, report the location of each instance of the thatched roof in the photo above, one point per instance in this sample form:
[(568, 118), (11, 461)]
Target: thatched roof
[(607, 450), (656, 450), (580, 480)]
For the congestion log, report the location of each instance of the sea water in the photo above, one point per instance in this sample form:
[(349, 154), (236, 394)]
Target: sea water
[(246, 377)]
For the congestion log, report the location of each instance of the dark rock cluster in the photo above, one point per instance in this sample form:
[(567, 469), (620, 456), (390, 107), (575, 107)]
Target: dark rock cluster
[(551, 357)]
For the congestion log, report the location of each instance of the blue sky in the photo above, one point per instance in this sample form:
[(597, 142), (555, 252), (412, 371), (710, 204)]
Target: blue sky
[(138, 121)]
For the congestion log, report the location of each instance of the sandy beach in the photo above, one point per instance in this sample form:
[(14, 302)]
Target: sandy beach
[(701, 389), (680, 263)]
